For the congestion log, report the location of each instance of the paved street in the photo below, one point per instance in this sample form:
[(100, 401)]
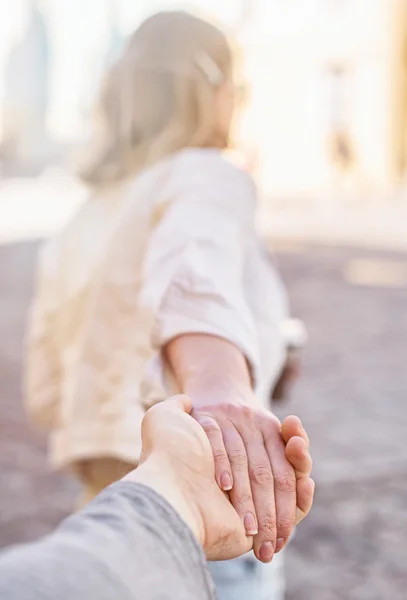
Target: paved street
[(351, 398)]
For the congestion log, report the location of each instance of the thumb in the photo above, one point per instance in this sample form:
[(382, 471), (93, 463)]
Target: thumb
[(180, 402), (158, 422)]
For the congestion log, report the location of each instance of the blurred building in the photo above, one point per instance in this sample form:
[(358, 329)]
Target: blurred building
[(328, 115), (25, 96), (329, 102)]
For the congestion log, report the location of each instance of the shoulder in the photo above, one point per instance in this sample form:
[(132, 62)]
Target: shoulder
[(208, 177)]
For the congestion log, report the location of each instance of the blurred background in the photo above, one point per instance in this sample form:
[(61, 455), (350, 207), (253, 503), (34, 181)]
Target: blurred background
[(325, 134)]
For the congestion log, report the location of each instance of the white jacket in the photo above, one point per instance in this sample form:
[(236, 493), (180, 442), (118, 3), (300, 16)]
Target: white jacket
[(175, 251)]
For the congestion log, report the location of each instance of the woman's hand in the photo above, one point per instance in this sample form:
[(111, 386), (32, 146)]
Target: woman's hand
[(264, 466)]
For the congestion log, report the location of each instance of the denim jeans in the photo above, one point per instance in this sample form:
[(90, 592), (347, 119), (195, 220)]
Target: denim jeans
[(246, 578)]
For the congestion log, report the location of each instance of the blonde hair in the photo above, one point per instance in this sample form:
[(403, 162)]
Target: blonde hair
[(159, 96)]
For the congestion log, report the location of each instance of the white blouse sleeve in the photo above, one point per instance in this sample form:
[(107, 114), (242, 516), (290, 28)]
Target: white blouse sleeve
[(193, 270)]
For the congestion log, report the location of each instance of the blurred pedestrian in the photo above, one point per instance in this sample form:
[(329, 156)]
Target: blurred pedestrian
[(160, 285)]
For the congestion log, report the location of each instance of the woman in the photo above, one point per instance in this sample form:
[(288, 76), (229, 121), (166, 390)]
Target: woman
[(160, 285)]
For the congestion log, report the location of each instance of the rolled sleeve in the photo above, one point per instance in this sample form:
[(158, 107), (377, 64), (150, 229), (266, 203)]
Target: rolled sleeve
[(195, 302), (195, 263)]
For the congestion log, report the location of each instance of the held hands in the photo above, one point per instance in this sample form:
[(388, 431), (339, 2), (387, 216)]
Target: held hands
[(177, 462), (264, 466)]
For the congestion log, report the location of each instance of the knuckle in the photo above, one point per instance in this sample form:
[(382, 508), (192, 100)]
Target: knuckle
[(209, 425), (246, 412), (261, 475), (238, 412), (233, 411), (243, 499), (238, 458), (270, 427), (285, 484), (219, 455), (268, 527), (285, 527), (271, 419), (227, 408)]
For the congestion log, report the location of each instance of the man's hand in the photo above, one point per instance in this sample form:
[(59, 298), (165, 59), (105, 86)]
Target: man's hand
[(264, 466), (177, 462)]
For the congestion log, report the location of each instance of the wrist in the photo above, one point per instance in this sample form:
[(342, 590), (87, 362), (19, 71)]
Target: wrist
[(158, 474), (220, 392)]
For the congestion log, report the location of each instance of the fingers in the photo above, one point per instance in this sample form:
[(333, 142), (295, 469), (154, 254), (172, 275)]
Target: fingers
[(241, 494), (292, 426), (265, 467), (262, 486), (285, 485), (305, 497), (297, 454), (223, 469)]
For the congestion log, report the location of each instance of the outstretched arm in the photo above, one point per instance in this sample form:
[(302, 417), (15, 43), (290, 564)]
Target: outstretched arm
[(248, 448)]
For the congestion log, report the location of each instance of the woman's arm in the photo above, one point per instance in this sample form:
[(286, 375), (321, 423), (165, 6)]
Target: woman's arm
[(193, 276), (249, 452), (206, 367)]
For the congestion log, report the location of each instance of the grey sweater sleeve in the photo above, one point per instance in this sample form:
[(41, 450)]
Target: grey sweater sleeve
[(128, 544)]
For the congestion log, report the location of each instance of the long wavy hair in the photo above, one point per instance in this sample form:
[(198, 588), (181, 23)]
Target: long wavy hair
[(159, 97)]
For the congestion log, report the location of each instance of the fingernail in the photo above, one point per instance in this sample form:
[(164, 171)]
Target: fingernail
[(266, 552), (250, 524), (280, 544), (226, 481)]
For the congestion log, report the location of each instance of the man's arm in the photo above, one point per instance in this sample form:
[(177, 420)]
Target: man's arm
[(140, 539), (128, 544)]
